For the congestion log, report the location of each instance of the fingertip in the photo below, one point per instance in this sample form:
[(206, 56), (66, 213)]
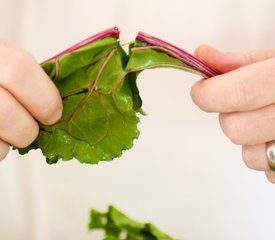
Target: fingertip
[(204, 51), (199, 51), (51, 108), (222, 61), (54, 116)]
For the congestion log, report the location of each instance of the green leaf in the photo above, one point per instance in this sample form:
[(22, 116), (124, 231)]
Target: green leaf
[(117, 226), (101, 101)]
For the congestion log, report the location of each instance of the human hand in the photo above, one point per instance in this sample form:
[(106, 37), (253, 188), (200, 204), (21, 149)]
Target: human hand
[(27, 95), (244, 97)]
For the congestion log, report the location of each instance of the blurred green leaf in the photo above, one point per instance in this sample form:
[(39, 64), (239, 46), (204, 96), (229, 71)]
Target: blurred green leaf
[(117, 226)]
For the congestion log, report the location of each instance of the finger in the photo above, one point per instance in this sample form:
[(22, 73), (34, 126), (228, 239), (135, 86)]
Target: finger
[(17, 127), (255, 157), (22, 76), (270, 176), (249, 128), (244, 89), (4, 149), (228, 61)]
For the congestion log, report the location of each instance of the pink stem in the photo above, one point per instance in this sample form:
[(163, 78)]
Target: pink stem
[(182, 55), (113, 31)]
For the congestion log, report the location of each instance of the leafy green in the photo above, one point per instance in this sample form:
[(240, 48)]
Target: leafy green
[(117, 226), (101, 102)]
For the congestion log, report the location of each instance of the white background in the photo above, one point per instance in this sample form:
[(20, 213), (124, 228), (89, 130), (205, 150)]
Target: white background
[(182, 174)]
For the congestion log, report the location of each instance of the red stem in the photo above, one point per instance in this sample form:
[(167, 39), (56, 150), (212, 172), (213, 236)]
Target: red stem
[(110, 32), (181, 55)]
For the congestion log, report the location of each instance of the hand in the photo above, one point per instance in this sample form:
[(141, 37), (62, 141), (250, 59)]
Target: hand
[(27, 95), (244, 97)]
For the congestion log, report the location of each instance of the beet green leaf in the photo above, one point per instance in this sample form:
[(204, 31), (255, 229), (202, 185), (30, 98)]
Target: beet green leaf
[(97, 82)]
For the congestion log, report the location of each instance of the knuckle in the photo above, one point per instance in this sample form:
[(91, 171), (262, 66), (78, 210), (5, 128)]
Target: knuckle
[(232, 128), (237, 95)]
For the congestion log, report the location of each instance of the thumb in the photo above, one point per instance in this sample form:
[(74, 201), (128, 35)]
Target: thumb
[(227, 61)]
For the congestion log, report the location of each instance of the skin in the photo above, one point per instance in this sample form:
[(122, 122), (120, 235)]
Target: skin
[(27, 96), (244, 98)]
